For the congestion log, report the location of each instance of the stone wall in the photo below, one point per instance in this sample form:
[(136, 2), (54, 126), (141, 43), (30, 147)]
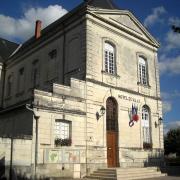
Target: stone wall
[(126, 56), (17, 123), (69, 62), (88, 97), (22, 158), (129, 137)]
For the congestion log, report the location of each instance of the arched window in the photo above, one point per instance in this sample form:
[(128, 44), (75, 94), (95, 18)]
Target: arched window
[(111, 114), (143, 71), (109, 51), (146, 124)]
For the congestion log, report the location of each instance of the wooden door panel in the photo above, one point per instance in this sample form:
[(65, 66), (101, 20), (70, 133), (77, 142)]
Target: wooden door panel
[(112, 149)]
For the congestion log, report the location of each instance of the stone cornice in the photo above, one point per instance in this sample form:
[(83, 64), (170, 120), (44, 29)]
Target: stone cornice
[(68, 111), (122, 89)]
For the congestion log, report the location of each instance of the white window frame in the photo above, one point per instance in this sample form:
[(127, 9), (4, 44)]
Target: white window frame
[(62, 129), (143, 71), (146, 125), (109, 58)]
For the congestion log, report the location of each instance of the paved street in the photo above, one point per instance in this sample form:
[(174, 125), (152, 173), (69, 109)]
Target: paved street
[(166, 178), (160, 178)]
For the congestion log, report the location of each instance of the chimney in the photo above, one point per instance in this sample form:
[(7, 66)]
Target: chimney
[(38, 29)]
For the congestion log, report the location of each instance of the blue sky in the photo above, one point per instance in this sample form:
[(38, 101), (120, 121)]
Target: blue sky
[(17, 24)]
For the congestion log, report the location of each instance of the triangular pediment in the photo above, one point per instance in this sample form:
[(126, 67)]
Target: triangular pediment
[(127, 22)]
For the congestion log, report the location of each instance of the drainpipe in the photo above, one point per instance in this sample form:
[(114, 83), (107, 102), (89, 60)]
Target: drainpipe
[(30, 108), (11, 155)]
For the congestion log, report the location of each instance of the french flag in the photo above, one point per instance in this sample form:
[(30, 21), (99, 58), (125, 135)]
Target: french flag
[(135, 116)]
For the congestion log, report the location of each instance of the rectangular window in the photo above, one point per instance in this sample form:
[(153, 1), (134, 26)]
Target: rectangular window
[(20, 85), (9, 85), (109, 58), (35, 74), (146, 135), (142, 74), (109, 62), (62, 133), (143, 71), (146, 125), (52, 65)]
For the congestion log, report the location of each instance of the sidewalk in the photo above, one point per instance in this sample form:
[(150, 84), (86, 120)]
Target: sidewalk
[(160, 178), (166, 178)]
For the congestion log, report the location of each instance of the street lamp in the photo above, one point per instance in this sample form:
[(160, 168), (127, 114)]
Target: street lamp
[(102, 112), (160, 120)]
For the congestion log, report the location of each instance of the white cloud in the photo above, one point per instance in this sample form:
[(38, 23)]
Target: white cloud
[(171, 125), (170, 95), (155, 16), (174, 21), (166, 106), (172, 41), (23, 28), (169, 65), (165, 95)]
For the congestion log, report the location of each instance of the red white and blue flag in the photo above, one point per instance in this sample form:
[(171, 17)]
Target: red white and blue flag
[(134, 115)]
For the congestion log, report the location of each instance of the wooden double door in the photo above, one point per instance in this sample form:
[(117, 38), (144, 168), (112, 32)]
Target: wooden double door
[(112, 132), (112, 149)]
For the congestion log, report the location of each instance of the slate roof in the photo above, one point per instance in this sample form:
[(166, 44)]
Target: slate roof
[(6, 49), (104, 4)]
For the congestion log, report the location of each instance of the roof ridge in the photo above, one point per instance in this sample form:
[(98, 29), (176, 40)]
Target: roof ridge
[(8, 41), (104, 4)]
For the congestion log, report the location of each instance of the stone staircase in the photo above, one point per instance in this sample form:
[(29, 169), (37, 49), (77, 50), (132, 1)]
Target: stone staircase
[(138, 173), (103, 174), (126, 173)]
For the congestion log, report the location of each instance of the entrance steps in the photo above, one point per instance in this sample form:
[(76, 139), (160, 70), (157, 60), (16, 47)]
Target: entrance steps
[(126, 173), (138, 173), (104, 174)]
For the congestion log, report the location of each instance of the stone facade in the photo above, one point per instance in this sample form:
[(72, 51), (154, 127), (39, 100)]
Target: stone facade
[(72, 86)]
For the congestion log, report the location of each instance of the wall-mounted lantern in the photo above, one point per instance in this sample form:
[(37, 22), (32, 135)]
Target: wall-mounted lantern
[(159, 122), (101, 113)]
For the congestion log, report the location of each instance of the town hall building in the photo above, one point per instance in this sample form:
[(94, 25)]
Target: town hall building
[(82, 94)]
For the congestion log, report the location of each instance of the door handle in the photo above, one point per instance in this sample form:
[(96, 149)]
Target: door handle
[(109, 148)]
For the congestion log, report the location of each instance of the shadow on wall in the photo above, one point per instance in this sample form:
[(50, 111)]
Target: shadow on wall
[(16, 123), (172, 166), (155, 160), (2, 167), (15, 127), (22, 176), (163, 165)]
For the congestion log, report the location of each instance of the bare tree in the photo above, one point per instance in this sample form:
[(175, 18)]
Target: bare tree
[(176, 28)]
